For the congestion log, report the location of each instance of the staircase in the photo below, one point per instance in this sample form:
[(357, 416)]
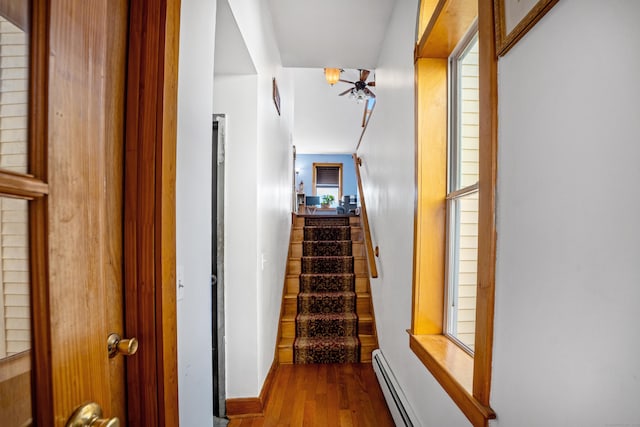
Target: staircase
[(326, 316)]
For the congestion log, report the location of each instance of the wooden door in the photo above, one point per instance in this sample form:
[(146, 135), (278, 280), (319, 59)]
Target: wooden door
[(84, 263), (85, 139)]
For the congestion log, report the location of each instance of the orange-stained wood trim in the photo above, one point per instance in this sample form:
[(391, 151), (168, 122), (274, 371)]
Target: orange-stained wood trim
[(166, 220), (365, 124), (371, 255), (431, 174), (38, 218), (267, 387), (24, 186), (16, 13), (315, 179), (243, 407), (448, 25), (474, 401), (453, 368), (253, 406), (488, 133), (426, 9), (150, 212), (505, 41)]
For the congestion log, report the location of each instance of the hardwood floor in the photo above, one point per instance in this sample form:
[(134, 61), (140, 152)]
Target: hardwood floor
[(323, 395)]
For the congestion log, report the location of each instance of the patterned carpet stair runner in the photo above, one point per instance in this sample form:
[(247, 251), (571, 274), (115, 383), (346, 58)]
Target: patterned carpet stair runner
[(327, 324)]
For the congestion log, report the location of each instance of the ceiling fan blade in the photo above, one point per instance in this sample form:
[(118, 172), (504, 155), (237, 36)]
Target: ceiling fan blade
[(371, 84), (345, 92), (368, 92), (347, 81), (364, 74)]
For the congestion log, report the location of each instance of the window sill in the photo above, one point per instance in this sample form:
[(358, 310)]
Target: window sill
[(453, 369)]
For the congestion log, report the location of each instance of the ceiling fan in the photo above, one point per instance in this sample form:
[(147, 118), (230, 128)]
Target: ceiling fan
[(362, 94), (360, 90)]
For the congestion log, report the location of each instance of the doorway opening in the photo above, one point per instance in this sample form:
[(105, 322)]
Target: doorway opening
[(217, 269)]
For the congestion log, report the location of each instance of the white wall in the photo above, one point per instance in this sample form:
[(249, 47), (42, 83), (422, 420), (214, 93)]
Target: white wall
[(259, 174), (193, 210), (235, 96), (388, 171), (258, 194), (568, 277), (566, 334)]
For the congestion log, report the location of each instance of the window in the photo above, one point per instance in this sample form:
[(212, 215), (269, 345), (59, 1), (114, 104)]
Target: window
[(18, 187), (15, 326), (327, 180), (454, 254), (462, 193)]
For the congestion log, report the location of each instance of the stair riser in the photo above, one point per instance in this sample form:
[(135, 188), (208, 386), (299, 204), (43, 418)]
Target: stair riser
[(294, 266), (363, 305), (295, 250), (333, 354), (320, 265), (320, 248), (357, 248), (326, 305), (290, 306), (365, 327), (292, 285), (327, 233), (328, 287), (297, 235), (327, 328), (288, 329), (360, 267), (285, 355), (326, 222)]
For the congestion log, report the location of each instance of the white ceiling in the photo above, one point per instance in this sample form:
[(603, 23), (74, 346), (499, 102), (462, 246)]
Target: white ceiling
[(231, 54), (330, 33)]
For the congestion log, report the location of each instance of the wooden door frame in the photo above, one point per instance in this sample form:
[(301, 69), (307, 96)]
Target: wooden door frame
[(149, 214), (149, 217)]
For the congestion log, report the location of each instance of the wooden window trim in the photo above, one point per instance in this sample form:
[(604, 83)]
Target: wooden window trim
[(21, 185), (466, 379), (327, 165)]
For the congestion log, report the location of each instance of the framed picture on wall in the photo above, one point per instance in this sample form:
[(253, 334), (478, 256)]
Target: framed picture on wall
[(276, 95), (515, 17)]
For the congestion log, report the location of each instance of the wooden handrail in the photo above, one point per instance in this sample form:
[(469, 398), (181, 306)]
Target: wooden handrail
[(373, 270)]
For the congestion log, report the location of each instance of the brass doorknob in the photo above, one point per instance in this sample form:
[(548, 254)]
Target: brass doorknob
[(90, 415), (118, 345)]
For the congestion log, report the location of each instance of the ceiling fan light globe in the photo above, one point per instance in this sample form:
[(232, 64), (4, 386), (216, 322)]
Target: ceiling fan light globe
[(361, 96), (332, 75)]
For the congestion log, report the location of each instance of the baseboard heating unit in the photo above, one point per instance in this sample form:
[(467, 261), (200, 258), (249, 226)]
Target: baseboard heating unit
[(396, 400)]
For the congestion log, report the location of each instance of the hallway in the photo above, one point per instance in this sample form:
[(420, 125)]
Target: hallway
[(323, 395)]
